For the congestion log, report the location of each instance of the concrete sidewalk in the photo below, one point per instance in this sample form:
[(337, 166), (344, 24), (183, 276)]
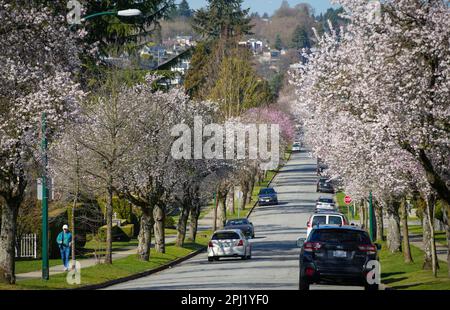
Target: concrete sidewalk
[(86, 262), (441, 250)]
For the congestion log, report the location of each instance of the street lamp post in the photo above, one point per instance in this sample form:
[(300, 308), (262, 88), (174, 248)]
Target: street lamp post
[(371, 218), (45, 263)]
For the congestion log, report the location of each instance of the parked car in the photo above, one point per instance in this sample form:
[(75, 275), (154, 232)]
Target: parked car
[(324, 217), (244, 225), (296, 147), (324, 203), (336, 255), (229, 243), (267, 196), (325, 185)]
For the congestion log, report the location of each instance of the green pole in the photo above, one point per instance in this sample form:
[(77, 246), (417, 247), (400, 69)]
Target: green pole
[(45, 265), (371, 218)]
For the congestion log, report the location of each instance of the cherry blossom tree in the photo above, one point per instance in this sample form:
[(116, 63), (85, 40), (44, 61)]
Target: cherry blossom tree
[(39, 60), (375, 103)]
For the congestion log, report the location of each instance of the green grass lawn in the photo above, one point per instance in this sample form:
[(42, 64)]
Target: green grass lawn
[(398, 275), (23, 266), (120, 268)]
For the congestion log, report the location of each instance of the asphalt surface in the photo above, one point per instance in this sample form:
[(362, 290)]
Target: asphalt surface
[(274, 263)]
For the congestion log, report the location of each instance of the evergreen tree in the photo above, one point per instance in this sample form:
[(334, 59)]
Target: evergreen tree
[(278, 43), (300, 38), (184, 10), (222, 19)]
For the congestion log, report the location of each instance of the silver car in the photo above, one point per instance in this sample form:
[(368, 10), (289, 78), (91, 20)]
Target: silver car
[(229, 243)]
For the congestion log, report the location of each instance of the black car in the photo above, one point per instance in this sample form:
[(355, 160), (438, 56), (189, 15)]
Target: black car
[(325, 186), (267, 196), (243, 224), (336, 255)]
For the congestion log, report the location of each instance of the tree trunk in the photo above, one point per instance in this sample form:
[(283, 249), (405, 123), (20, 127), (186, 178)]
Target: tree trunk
[(221, 211), (216, 206), (430, 208), (448, 238), (230, 200), (159, 217), (446, 210), (244, 198), (73, 229), (393, 234), (379, 221), (405, 232), (427, 260), (145, 235), (109, 215), (193, 224), (182, 223), (10, 211), (250, 189)]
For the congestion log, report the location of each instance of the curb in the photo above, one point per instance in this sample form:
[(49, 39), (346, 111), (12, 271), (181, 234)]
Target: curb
[(268, 184), (139, 275)]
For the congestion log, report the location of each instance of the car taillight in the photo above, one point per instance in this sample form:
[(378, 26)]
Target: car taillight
[(309, 272), (312, 246), (369, 248), (240, 243), (210, 244), (308, 224)]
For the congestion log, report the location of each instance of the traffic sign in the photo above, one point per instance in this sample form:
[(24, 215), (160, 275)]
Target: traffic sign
[(348, 200)]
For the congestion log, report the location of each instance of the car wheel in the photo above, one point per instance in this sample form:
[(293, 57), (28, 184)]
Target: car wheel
[(371, 287), (303, 284), (244, 257), (253, 236), (216, 258), (210, 259)]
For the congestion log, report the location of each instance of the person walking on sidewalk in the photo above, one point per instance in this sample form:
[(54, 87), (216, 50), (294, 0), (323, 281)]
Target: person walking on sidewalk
[(64, 241)]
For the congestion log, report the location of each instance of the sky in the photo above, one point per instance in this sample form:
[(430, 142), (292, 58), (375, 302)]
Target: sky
[(269, 6)]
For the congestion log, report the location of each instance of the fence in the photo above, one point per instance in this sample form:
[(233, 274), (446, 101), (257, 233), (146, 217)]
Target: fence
[(27, 246)]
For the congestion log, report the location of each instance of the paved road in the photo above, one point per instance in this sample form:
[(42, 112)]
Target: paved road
[(274, 264)]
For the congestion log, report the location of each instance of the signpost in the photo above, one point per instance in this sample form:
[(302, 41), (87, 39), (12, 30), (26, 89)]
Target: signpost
[(348, 201)]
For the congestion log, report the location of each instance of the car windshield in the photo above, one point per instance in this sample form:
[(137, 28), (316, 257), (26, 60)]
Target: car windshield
[(296, 144), (226, 235), (237, 222), (319, 220), (340, 236), (266, 191), (335, 220), (326, 200)]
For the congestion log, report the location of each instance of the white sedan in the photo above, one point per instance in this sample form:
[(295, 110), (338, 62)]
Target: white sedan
[(229, 243)]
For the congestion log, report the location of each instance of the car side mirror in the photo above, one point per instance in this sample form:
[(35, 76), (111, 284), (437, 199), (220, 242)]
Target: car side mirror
[(378, 246), (300, 242)]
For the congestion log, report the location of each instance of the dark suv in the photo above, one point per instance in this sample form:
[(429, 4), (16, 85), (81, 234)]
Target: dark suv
[(336, 255), (325, 186)]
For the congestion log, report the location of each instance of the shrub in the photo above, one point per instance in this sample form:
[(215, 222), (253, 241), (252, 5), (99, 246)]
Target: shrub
[(123, 233), (169, 222)]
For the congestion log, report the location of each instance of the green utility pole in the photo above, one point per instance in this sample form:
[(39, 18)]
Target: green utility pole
[(45, 266), (371, 218)]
